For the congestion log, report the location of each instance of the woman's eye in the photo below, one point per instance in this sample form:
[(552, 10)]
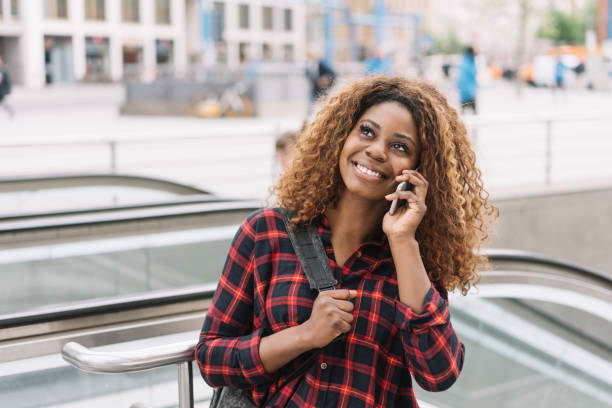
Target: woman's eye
[(399, 146), (366, 131)]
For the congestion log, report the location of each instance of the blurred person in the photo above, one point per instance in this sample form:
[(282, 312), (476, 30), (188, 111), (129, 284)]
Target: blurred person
[(560, 69), (5, 89), (320, 76), (387, 320), (467, 82), (378, 63), (527, 73), (285, 148), (446, 68)]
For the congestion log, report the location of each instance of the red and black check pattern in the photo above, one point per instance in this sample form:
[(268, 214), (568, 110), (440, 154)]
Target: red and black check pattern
[(263, 290)]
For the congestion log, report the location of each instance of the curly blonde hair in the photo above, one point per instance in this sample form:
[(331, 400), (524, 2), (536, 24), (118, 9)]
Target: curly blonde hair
[(458, 212)]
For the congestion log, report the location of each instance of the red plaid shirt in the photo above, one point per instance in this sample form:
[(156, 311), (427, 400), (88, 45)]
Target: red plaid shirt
[(263, 290)]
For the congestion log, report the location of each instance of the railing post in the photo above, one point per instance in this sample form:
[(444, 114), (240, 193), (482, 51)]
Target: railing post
[(113, 156), (185, 385), (548, 163)]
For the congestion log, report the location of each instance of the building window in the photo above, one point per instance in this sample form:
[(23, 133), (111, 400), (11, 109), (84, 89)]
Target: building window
[(132, 61), (56, 9), (15, 9), (162, 11), (288, 52), (94, 10), (243, 52), (266, 52), (1, 14), (267, 19), (243, 16), (164, 57), (218, 21), (97, 59), (288, 19), (221, 49), (58, 59), (130, 11)]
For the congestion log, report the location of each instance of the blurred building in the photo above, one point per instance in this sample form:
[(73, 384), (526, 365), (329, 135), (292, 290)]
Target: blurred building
[(345, 31), (231, 32), (604, 22), (55, 41)]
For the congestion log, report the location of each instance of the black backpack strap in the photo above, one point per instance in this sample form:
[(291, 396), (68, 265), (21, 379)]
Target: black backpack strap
[(311, 253)]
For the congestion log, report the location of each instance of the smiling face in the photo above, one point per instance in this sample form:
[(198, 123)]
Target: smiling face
[(383, 143)]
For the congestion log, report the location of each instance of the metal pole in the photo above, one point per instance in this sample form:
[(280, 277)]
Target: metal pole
[(185, 385), (548, 164), (113, 156)]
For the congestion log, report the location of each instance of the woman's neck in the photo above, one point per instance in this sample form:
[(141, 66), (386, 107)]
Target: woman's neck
[(356, 221)]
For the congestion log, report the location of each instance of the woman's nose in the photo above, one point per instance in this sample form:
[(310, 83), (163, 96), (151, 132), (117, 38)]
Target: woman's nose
[(377, 151)]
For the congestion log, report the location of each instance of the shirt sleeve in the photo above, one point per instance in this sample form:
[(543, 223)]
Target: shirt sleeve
[(435, 354), (228, 350)]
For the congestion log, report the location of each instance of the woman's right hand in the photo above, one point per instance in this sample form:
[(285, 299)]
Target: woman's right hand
[(332, 315)]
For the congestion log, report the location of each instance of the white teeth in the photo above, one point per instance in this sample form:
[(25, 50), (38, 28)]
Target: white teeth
[(368, 171)]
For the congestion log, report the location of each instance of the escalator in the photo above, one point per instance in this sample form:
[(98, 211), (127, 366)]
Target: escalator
[(537, 331), (119, 274)]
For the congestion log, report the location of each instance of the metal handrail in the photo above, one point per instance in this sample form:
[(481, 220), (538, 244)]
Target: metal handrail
[(127, 361), (516, 255), (186, 199), (138, 360), (183, 353), (127, 215), (105, 306), (122, 180)]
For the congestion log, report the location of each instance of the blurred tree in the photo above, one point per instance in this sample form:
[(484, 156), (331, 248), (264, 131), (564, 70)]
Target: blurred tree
[(563, 28), (591, 15)]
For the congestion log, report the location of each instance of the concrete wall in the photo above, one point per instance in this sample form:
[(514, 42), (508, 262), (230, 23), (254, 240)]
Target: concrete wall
[(575, 226)]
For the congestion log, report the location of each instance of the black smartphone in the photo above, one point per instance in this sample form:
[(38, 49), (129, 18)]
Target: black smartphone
[(403, 186)]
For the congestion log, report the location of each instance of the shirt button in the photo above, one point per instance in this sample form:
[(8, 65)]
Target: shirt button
[(323, 366)]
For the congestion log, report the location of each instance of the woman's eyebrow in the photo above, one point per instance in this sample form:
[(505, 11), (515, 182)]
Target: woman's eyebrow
[(371, 122), (402, 136)]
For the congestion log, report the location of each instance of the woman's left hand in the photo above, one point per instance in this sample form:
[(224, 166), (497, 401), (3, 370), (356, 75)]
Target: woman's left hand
[(404, 222)]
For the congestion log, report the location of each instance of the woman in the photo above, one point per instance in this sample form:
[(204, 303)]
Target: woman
[(388, 318)]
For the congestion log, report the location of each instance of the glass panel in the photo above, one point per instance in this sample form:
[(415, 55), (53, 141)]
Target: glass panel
[(48, 381), (243, 15), (288, 14), (81, 197), (218, 21), (164, 56), (133, 68), (266, 52), (519, 354), (243, 52), (288, 52), (130, 11), (58, 59), (94, 10), (62, 273), (56, 9), (15, 9), (97, 57), (267, 18), (162, 11)]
